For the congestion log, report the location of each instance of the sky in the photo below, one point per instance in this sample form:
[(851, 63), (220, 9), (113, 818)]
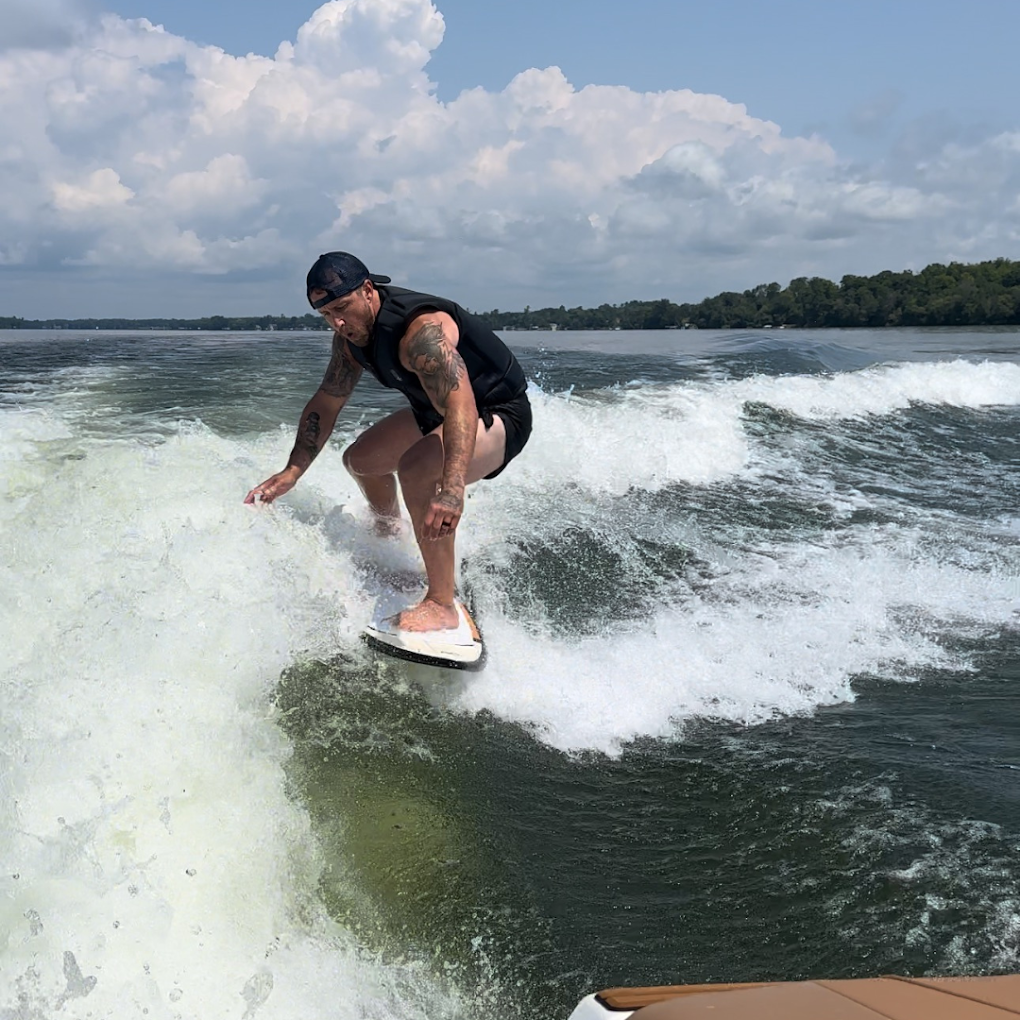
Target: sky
[(178, 158)]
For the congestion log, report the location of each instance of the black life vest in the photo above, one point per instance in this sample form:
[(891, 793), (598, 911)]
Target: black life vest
[(496, 377)]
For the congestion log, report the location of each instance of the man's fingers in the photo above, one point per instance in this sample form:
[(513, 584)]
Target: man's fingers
[(437, 523), (264, 494), (440, 522)]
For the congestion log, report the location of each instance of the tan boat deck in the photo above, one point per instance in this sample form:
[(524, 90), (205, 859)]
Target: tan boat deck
[(885, 998)]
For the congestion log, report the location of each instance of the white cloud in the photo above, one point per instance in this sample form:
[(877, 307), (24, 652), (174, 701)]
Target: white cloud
[(1008, 141), (379, 38), (101, 190), (130, 150), (223, 188)]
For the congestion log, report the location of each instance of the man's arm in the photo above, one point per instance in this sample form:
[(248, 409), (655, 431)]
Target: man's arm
[(429, 349), (320, 413), (316, 423)]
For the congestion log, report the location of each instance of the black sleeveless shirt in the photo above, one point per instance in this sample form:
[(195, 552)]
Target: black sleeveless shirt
[(496, 377)]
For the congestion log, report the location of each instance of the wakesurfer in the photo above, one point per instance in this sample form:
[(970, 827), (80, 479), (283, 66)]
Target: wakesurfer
[(469, 413)]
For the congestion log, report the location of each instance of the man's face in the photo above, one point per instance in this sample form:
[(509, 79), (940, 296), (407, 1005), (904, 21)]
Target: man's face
[(352, 316)]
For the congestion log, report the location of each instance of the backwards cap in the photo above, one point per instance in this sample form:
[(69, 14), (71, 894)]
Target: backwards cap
[(338, 273)]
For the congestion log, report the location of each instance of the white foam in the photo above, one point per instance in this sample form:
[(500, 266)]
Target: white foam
[(883, 389), (150, 857), (612, 441), (784, 631), (653, 435)]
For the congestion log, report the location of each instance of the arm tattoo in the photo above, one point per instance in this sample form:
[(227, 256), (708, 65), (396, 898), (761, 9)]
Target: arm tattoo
[(341, 375), (308, 435), (438, 365)]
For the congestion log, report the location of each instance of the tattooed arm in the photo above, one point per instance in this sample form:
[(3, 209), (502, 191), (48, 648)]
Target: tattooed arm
[(320, 413), (429, 349), (316, 424)]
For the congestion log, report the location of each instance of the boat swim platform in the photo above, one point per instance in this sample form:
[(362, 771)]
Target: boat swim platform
[(883, 998)]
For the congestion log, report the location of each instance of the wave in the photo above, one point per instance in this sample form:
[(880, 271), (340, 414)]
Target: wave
[(749, 354), (152, 857), (649, 436)]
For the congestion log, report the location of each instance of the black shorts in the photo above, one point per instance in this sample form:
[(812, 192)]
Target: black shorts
[(516, 415)]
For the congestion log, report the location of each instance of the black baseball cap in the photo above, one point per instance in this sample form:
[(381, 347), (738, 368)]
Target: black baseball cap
[(338, 273)]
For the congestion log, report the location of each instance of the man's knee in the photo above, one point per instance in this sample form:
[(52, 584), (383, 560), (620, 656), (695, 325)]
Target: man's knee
[(353, 460), (422, 464)]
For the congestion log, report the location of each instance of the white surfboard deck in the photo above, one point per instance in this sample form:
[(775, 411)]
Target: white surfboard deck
[(390, 573), (460, 647)]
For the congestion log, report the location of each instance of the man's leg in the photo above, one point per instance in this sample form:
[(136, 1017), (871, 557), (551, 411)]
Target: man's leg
[(420, 472), (372, 460)]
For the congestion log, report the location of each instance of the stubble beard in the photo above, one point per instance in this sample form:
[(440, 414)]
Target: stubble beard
[(360, 336)]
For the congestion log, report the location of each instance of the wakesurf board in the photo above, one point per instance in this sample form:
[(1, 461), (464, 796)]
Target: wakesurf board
[(390, 573), (459, 647)]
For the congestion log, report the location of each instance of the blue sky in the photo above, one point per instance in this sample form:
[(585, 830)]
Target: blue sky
[(680, 149)]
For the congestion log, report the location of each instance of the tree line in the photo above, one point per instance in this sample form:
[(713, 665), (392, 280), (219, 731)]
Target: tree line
[(958, 294), (979, 294), (239, 323)]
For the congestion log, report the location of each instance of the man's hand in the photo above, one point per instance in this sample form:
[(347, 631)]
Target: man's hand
[(442, 516), (275, 486)]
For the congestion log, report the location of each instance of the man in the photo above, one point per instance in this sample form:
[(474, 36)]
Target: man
[(469, 414)]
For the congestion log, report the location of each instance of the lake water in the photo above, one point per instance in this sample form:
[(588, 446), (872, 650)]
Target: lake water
[(752, 707)]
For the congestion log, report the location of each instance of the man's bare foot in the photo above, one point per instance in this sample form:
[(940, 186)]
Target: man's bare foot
[(387, 527), (429, 615)]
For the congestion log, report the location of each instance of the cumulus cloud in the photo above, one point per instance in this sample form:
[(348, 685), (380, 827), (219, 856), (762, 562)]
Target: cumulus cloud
[(101, 190), (127, 150), (224, 188)]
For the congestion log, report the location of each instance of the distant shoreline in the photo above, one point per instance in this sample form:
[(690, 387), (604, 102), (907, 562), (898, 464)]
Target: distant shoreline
[(954, 295), (1004, 327)]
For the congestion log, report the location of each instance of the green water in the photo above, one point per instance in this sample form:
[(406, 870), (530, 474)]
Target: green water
[(871, 838)]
